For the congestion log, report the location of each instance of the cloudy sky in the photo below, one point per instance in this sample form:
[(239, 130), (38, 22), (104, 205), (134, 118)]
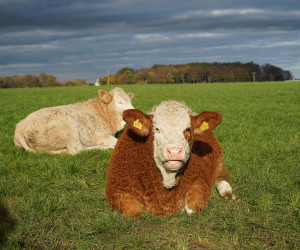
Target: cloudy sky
[(86, 39)]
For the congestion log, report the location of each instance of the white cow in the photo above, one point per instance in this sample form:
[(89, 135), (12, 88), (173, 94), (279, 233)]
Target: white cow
[(72, 128)]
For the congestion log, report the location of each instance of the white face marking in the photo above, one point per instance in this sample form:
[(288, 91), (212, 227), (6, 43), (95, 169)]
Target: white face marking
[(170, 120)]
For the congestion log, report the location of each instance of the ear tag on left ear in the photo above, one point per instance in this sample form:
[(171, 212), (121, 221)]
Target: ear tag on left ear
[(103, 95), (137, 124), (204, 126)]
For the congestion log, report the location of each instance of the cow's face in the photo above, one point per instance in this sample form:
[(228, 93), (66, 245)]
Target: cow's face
[(171, 124), (119, 101), (173, 127)]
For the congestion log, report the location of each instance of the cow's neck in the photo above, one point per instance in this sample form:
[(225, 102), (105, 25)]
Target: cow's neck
[(169, 178)]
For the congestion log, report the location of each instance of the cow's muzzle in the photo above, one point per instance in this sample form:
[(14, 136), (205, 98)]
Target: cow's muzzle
[(174, 157)]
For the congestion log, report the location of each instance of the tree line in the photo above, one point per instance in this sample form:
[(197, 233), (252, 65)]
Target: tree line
[(159, 73), (41, 80), (198, 73)]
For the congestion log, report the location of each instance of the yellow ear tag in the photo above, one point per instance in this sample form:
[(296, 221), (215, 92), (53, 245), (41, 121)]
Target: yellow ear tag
[(103, 95), (204, 126), (137, 124)]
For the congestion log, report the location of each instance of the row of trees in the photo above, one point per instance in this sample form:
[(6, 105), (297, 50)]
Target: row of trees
[(198, 73), (182, 73), (41, 80)]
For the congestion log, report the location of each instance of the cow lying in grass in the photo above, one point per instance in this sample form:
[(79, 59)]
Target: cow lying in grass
[(166, 161), (72, 128)]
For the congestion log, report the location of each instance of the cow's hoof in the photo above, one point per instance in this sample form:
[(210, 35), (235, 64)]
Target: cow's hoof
[(225, 190)]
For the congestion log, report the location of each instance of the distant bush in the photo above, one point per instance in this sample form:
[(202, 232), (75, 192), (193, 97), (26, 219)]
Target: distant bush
[(31, 81)]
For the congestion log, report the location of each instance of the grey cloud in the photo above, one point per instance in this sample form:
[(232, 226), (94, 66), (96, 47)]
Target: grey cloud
[(154, 15)]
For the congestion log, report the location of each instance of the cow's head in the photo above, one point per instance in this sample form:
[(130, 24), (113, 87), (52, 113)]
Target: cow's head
[(118, 101), (174, 128)]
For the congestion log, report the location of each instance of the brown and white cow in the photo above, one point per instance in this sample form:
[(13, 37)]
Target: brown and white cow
[(166, 161), (72, 128)]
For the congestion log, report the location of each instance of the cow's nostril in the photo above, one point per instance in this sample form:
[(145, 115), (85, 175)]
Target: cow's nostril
[(174, 151)]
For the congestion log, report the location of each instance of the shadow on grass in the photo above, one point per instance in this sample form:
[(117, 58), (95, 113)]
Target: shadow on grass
[(7, 223)]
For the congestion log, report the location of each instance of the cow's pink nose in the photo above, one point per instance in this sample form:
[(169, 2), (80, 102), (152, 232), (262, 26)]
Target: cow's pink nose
[(174, 153)]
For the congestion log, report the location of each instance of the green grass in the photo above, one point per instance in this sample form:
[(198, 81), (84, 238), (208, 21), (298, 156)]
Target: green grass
[(58, 201)]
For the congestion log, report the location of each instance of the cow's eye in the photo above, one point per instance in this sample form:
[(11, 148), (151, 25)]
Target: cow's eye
[(157, 130)]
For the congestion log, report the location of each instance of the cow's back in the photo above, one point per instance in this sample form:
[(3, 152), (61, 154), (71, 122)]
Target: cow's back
[(42, 131), (55, 129)]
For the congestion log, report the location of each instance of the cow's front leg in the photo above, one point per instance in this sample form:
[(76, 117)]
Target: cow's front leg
[(197, 197), (127, 205)]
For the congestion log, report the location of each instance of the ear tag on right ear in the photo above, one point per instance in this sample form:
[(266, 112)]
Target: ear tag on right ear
[(204, 126), (103, 95), (137, 124)]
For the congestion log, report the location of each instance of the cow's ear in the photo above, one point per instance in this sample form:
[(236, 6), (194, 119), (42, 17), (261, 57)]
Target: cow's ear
[(206, 121), (138, 122), (104, 96), (131, 95)]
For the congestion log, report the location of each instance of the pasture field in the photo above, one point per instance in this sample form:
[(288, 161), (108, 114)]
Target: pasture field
[(58, 201)]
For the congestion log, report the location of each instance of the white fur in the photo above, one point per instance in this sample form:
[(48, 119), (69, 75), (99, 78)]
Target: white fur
[(72, 128), (169, 179), (224, 187), (170, 119), (187, 210), (122, 102)]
